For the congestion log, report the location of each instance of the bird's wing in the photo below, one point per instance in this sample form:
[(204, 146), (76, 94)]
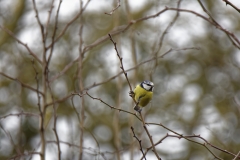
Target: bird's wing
[(141, 96)]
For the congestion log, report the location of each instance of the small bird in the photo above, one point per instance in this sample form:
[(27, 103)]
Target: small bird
[(142, 93)]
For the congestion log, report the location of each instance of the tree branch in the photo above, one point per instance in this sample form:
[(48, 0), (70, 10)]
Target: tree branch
[(114, 9), (139, 141), (229, 3)]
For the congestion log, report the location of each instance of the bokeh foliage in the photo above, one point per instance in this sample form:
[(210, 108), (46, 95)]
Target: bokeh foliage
[(197, 91)]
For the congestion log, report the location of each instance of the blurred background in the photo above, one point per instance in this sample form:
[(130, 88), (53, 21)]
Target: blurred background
[(197, 83)]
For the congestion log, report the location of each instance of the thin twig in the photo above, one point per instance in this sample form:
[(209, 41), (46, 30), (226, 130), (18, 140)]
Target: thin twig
[(24, 154), (42, 110), (166, 30), (237, 156), (139, 141), (150, 137), (114, 9), (65, 69), (19, 114), (54, 33), (229, 3), (135, 67), (69, 23), (55, 121), (16, 147), (232, 36), (81, 86), (121, 63), (20, 42), (38, 92), (229, 35), (85, 148), (120, 110), (159, 46), (196, 136), (21, 83), (48, 19), (56, 133), (126, 27), (180, 137), (39, 21), (79, 120)]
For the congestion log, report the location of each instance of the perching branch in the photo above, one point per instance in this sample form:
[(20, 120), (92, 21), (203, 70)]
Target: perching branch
[(120, 110), (121, 63), (122, 67)]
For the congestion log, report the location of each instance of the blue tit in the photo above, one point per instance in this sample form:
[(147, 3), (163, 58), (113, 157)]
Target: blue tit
[(142, 94)]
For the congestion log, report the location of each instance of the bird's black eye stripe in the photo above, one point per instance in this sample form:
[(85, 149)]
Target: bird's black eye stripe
[(149, 85)]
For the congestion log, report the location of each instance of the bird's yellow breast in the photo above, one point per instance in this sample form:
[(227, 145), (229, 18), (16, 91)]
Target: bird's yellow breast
[(142, 94)]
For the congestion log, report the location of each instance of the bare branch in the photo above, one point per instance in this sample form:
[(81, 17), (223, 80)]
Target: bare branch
[(54, 32), (120, 58), (114, 9), (42, 109), (204, 144), (20, 114), (55, 121), (21, 83), (229, 35), (38, 93), (56, 133), (17, 149), (65, 69), (25, 154), (19, 41), (150, 137), (39, 21), (120, 110), (85, 148), (68, 24), (237, 156), (139, 141), (48, 19), (166, 30), (229, 3), (232, 36), (81, 86)]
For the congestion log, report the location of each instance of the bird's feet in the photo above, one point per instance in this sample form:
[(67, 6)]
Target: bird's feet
[(131, 94), (137, 108)]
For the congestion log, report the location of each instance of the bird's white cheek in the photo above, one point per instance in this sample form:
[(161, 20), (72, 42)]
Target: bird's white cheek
[(146, 87)]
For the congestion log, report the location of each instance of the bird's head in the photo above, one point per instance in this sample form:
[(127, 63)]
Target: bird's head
[(147, 85)]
